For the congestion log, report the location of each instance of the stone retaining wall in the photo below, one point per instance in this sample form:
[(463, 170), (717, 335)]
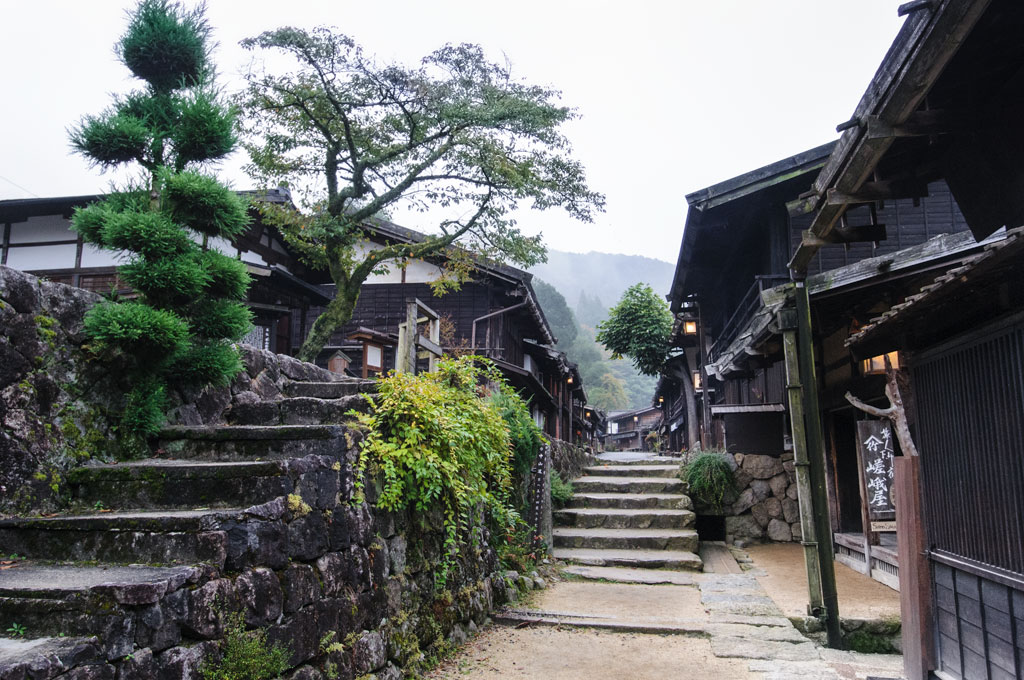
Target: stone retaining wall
[(58, 407), (569, 459), (764, 505)]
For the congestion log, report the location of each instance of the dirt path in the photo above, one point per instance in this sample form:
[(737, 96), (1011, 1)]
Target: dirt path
[(572, 654), (714, 626), (784, 577)]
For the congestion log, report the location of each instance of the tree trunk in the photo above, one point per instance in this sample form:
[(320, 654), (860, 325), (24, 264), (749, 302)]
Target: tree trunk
[(690, 397), (337, 314)]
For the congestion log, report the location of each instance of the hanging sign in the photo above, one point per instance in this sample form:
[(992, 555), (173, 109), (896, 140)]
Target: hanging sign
[(874, 442)]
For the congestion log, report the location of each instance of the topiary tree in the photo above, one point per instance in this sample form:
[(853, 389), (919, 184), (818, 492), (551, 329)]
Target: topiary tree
[(180, 328)]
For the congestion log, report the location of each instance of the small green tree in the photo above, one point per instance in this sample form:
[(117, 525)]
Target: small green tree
[(457, 138), (189, 308), (640, 327), (610, 394)]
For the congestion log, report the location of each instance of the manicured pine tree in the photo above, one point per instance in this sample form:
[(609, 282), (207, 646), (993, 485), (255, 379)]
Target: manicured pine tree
[(188, 311)]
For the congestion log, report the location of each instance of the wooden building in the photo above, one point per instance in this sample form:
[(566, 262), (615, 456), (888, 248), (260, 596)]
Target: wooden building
[(944, 106), (629, 430), (495, 314), (37, 238)]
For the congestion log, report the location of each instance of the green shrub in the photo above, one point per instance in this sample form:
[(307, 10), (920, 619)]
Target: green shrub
[(517, 550), (433, 442), (561, 490), (526, 438), (709, 477), (247, 655), (148, 335), (211, 363)]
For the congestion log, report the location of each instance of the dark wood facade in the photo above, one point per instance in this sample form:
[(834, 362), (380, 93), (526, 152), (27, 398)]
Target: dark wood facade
[(37, 238)]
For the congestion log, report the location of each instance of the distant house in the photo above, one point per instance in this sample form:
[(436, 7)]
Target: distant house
[(628, 430)]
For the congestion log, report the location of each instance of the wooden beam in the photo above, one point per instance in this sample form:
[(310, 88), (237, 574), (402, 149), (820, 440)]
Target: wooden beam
[(869, 192), (802, 206), (923, 48)]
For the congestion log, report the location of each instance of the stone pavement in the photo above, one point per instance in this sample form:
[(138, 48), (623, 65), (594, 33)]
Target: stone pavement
[(726, 623)]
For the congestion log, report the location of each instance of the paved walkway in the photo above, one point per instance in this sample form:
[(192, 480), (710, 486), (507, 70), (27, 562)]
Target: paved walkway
[(607, 622)]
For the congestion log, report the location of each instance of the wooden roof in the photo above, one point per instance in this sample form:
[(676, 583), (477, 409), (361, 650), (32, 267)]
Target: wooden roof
[(950, 73)]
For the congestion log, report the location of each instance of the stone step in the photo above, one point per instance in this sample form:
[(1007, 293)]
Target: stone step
[(626, 539), (617, 470), (636, 458), (330, 390), (678, 560), (602, 484), (101, 601), (140, 537), (631, 501), (298, 410), (162, 483), (590, 518), (252, 442), (47, 657)]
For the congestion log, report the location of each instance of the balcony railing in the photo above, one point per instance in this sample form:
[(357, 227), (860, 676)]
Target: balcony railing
[(744, 310)]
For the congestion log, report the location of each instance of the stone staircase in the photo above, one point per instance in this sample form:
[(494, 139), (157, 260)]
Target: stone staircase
[(632, 513), (148, 549)]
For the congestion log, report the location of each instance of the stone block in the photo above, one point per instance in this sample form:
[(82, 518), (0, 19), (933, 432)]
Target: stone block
[(259, 592), (308, 536), (92, 672), (792, 492), (779, 483), (779, 531), (333, 570), (299, 634), (397, 548), (762, 467), (744, 502), (300, 587), (743, 526), (140, 665), (204, 617), (790, 510), (369, 652), (761, 489)]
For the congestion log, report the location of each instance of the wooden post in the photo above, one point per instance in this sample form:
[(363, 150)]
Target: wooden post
[(405, 354), (915, 575), (794, 390), (816, 461), (865, 515)]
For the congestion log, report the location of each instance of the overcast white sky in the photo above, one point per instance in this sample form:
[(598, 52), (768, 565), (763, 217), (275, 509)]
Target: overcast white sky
[(674, 96)]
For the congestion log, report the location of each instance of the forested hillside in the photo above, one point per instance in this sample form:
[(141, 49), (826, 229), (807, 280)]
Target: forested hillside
[(610, 384), (601, 277)]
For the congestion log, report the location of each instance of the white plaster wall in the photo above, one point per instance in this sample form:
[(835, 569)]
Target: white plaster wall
[(32, 258), (416, 271), (42, 228)]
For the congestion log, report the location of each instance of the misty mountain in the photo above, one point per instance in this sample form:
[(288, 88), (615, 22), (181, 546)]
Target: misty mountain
[(604, 276)]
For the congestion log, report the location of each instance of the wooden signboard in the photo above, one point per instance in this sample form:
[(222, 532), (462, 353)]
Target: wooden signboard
[(875, 452)]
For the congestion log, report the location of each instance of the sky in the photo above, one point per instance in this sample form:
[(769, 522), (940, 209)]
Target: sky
[(673, 96)]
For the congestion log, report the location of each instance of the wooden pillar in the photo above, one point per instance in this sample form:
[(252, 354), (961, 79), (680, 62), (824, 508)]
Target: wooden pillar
[(794, 391), (816, 465), (405, 353), (915, 573)]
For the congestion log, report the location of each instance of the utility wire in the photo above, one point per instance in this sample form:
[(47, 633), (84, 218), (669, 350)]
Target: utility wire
[(19, 186)]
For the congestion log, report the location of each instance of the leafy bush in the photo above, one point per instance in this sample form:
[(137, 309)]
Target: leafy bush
[(433, 441), (526, 438), (247, 655), (561, 490), (517, 550), (710, 477)]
